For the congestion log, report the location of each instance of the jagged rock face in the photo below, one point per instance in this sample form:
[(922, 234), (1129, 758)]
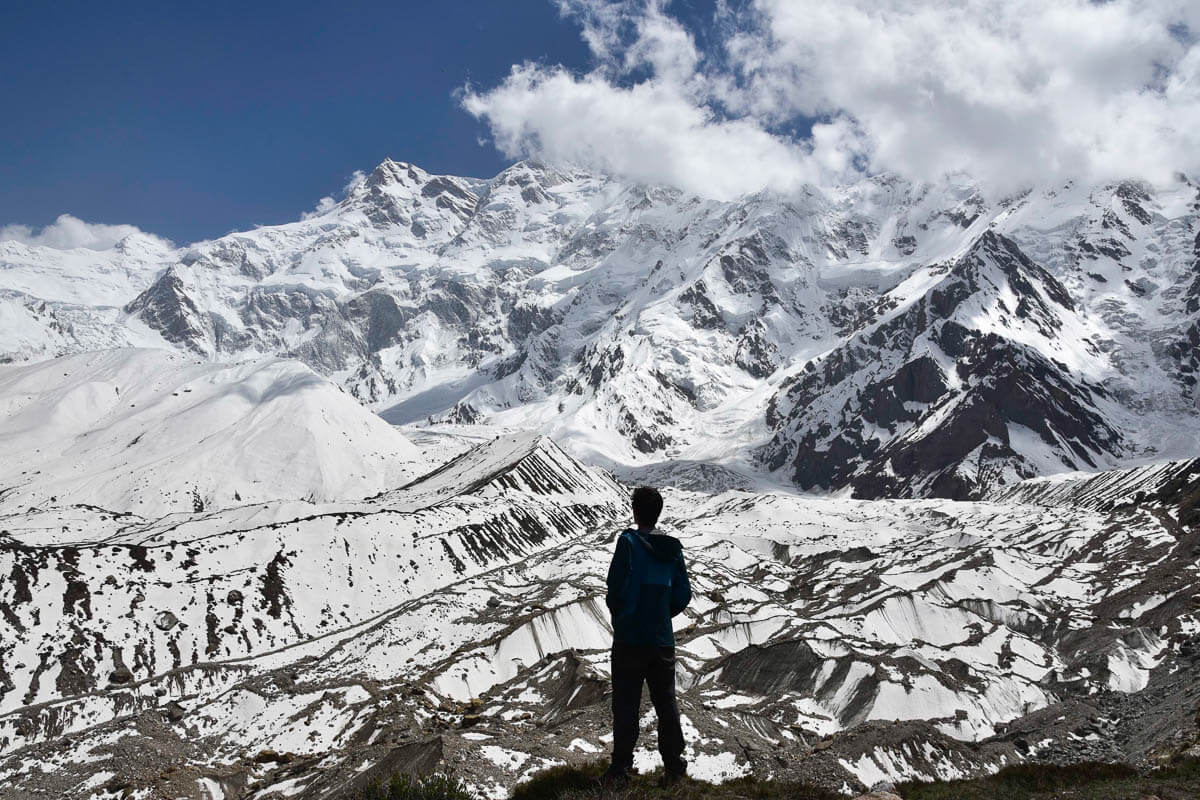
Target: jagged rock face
[(930, 400), (886, 338), (1185, 347), (294, 648), (167, 307)]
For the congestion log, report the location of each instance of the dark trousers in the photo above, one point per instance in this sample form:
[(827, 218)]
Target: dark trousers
[(631, 665)]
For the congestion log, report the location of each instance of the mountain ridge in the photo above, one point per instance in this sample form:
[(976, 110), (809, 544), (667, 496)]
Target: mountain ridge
[(641, 326)]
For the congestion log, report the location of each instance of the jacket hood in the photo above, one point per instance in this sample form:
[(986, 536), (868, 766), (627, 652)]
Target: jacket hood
[(662, 547)]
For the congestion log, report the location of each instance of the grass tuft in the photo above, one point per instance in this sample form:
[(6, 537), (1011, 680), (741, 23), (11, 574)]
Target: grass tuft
[(582, 783), (1182, 768), (553, 783), (402, 786), (1177, 780), (1026, 781)]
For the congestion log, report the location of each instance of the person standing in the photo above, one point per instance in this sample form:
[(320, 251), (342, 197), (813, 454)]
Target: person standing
[(647, 586)]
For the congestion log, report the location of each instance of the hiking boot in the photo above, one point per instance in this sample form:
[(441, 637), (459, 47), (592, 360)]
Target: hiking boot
[(669, 779), (615, 778)]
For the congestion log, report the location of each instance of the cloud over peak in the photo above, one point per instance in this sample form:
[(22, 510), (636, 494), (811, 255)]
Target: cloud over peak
[(784, 92), (68, 232)]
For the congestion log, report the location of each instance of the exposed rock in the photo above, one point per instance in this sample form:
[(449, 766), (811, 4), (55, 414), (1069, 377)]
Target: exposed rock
[(165, 620)]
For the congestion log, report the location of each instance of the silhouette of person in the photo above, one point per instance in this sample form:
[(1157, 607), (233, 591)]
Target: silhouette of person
[(647, 586)]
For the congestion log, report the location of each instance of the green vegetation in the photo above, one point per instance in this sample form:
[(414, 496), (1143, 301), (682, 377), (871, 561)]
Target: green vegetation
[(401, 786), (582, 783), (557, 782), (1179, 780)]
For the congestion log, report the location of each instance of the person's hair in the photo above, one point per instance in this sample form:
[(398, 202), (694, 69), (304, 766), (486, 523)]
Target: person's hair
[(647, 505)]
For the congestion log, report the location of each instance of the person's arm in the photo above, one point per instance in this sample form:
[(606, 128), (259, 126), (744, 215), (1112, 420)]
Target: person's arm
[(681, 589), (618, 575)]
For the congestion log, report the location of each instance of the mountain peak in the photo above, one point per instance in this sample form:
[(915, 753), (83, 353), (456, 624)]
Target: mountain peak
[(402, 173)]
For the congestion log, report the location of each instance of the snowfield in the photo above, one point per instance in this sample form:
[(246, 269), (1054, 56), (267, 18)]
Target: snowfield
[(150, 432)]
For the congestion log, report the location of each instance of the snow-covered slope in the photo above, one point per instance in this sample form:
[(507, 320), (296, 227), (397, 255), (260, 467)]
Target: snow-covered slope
[(301, 650), (884, 337), (57, 301), (152, 432), (1105, 491)]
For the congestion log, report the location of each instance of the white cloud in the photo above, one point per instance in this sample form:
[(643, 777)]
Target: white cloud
[(1011, 91), (68, 232), (327, 203), (649, 132), (324, 206)]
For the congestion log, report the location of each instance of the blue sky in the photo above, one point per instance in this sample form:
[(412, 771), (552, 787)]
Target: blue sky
[(191, 120)]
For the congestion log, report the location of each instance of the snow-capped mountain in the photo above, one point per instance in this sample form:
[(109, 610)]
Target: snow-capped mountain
[(884, 338), (970, 363)]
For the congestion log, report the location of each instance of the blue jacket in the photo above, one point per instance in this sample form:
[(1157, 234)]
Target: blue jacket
[(647, 585)]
